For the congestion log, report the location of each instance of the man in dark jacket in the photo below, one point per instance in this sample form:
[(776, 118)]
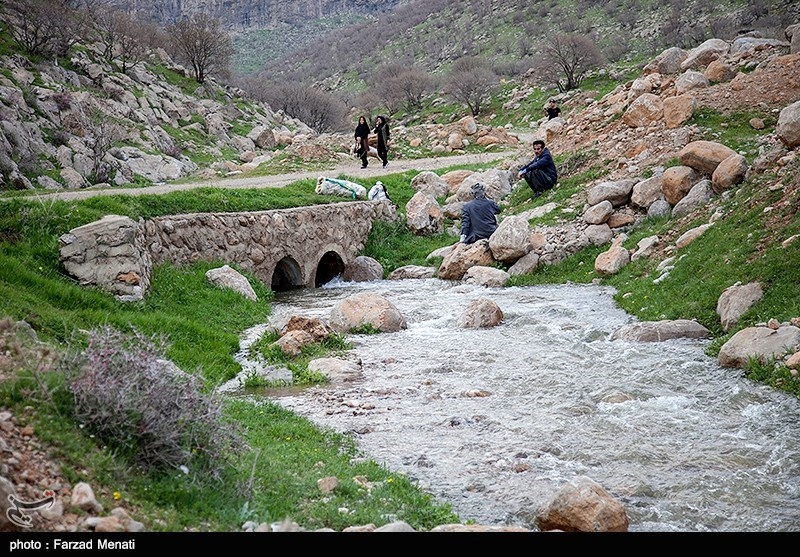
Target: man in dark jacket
[(478, 219), (541, 172)]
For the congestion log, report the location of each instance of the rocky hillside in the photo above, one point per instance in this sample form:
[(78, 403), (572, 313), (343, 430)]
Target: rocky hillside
[(432, 34), (85, 123)]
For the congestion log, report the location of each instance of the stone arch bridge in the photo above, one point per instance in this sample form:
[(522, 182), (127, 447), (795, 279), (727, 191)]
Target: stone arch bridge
[(302, 247)]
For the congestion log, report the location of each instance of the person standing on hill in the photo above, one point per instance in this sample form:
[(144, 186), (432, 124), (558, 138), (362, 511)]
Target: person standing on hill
[(362, 140), (384, 139), (478, 220), (540, 173)]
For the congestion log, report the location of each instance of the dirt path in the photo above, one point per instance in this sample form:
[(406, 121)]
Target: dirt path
[(349, 167)]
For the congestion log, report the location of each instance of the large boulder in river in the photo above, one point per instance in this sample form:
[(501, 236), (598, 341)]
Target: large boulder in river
[(480, 313), (658, 331), (583, 506), (464, 256), (363, 269), (366, 309)]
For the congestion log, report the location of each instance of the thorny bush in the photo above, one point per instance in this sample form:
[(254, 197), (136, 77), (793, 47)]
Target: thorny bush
[(135, 400)]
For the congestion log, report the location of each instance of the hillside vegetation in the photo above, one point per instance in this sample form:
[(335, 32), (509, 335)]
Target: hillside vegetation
[(511, 34)]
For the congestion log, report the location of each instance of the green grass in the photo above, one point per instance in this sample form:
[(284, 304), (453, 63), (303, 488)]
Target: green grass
[(276, 478), (734, 130), (333, 345)]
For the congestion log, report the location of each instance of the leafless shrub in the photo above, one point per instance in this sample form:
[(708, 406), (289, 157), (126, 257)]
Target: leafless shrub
[(60, 137), (471, 81), (105, 132), (618, 47), (63, 101), (319, 110), (368, 103), (128, 395), (173, 150), (401, 86), (26, 361), (524, 47)]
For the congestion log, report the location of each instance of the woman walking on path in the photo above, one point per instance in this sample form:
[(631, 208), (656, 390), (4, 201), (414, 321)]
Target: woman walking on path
[(362, 140), (384, 139)]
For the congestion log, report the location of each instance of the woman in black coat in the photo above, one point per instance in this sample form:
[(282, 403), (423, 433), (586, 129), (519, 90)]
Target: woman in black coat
[(384, 139), (362, 140)]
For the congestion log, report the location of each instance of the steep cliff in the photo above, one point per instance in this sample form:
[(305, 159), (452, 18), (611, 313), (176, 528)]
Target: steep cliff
[(240, 15)]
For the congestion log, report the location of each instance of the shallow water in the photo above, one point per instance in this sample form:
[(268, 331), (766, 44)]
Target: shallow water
[(494, 421)]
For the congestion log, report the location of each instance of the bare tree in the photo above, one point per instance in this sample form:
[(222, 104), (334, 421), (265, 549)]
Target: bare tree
[(471, 81), (203, 44), (566, 59), (413, 85), (43, 27), (133, 43), (123, 38), (320, 111), (106, 29), (401, 86), (105, 133)]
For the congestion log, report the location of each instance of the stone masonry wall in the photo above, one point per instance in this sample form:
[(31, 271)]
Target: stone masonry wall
[(117, 254)]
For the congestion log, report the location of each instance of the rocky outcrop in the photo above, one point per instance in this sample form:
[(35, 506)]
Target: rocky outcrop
[(69, 125)]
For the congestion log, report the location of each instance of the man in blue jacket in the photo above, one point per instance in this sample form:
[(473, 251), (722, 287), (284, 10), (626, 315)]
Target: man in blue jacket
[(541, 172), (478, 219)]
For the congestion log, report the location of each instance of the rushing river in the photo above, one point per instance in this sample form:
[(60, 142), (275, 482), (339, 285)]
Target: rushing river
[(494, 421)]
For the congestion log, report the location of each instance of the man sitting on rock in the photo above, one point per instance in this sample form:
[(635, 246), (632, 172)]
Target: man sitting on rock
[(541, 172), (478, 219)]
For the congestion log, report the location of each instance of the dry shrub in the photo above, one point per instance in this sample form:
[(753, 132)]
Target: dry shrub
[(132, 398)]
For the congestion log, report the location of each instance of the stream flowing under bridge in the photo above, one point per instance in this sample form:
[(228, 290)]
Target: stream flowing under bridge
[(301, 247)]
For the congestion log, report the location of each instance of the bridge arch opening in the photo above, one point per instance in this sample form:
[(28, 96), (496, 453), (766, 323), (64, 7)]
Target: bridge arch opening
[(330, 267), (287, 275)]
